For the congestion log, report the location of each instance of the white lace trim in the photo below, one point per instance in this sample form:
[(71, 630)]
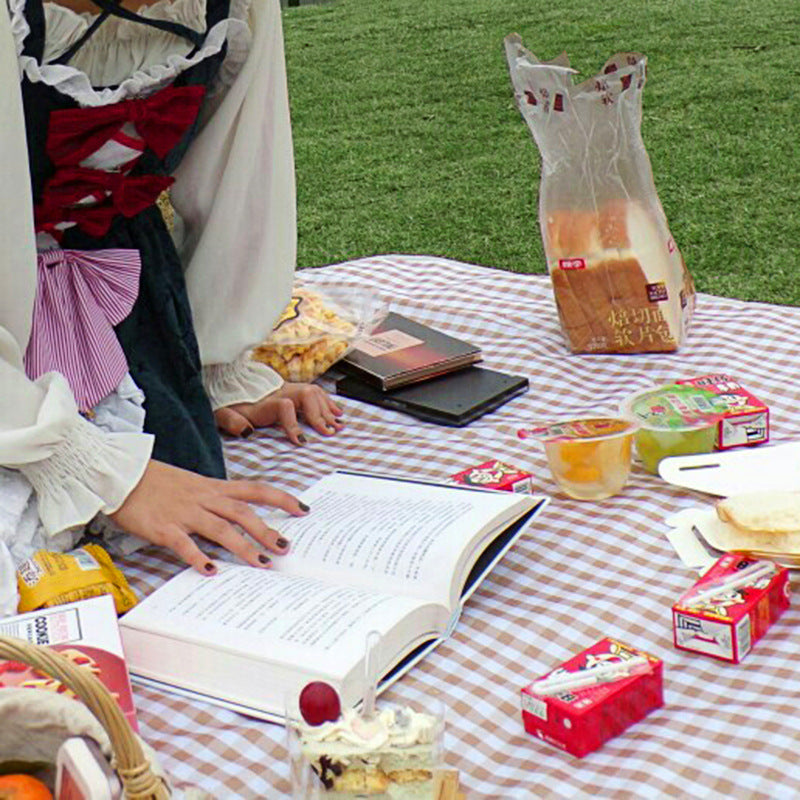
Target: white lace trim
[(145, 81), (87, 472), (241, 381)]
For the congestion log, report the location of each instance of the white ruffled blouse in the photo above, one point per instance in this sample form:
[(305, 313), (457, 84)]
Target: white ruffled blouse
[(130, 58), (120, 47), (234, 194)]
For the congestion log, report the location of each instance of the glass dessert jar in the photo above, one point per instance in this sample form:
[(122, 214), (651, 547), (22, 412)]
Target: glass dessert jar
[(394, 754)]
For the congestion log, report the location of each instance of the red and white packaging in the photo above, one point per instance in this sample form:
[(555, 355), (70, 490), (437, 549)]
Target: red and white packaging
[(621, 685), (745, 419), (86, 632), (724, 615), (495, 474)]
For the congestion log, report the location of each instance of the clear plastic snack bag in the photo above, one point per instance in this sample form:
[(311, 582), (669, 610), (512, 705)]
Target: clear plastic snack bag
[(317, 328), (620, 282)]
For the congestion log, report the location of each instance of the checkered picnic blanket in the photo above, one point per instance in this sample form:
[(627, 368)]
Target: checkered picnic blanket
[(583, 570)]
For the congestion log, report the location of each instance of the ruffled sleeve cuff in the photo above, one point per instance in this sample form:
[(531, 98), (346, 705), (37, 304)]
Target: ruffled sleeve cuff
[(241, 381), (87, 472)]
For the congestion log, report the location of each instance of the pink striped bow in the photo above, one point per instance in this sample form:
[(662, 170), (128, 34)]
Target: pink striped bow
[(80, 295)]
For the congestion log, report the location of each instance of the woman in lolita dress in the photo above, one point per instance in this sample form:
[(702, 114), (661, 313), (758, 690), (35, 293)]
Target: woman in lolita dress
[(148, 221)]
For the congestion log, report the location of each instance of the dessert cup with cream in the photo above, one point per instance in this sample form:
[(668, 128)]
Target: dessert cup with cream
[(391, 756)]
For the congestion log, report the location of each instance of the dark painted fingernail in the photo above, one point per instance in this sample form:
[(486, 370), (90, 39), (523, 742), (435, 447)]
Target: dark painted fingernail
[(302, 439), (282, 543), (264, 560), (338, 420), (303, 506), (248, 431), (209, 567)]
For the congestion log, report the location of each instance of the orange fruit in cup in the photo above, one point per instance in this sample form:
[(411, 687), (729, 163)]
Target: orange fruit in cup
[(23, 787), (590, 458)]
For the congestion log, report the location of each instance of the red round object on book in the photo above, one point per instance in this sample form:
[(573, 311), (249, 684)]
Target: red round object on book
[(319, 703)]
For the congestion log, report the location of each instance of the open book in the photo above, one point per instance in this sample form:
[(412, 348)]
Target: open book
[(375, 553)]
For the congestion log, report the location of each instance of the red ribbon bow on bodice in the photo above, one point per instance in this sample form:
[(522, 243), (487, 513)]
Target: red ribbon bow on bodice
[(109, 193), (161, 120)]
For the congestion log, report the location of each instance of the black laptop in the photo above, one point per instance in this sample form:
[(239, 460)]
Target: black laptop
[(455, 399)]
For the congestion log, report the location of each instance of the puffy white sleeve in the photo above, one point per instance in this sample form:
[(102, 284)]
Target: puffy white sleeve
[(76, 469), (235, 194)]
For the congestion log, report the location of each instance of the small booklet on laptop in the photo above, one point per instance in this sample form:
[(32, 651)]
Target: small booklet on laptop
[(401, 351), (455, 400), (394, 555)]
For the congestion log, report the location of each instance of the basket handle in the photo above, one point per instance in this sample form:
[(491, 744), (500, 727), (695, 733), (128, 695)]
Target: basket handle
[(132, 766)]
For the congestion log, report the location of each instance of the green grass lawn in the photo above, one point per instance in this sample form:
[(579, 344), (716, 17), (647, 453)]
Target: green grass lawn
[(407, 137)]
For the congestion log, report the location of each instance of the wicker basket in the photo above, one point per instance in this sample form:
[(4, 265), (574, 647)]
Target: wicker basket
[(130, 762)]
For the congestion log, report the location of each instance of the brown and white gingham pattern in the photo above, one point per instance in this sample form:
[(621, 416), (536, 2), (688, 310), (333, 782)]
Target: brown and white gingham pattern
[(582, 572)]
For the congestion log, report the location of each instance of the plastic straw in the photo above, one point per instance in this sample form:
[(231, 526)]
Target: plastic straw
[(742, 578), (370, 674), (588, 677)]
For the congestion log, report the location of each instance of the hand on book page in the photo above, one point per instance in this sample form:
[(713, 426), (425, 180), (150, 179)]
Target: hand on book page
[(170, 503), (383, 554)]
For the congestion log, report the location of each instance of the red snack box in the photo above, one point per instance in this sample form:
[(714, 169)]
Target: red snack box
[(495, 475), (745, 418), (728, 623), (582, 718)]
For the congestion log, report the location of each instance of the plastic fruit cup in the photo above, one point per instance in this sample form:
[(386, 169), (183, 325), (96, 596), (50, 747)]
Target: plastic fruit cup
[(674, 420), (590, 459)]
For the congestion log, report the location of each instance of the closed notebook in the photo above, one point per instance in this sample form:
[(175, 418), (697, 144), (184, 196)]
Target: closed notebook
[(401, 351), (455, 399)]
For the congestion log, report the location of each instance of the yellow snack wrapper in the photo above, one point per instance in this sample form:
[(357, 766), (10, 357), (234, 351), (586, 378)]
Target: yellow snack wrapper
[(50, 579)]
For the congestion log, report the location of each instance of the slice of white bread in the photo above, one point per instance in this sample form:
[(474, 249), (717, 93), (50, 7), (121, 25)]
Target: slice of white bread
[(768, 521)]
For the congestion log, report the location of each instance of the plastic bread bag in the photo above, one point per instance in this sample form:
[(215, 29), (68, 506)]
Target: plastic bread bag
[(317, 328), (620, 283)]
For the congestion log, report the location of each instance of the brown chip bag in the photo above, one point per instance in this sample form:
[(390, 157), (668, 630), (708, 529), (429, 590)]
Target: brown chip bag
[(51, 579), (315, 331)]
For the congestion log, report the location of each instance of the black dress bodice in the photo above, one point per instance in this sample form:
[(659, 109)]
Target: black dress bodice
[(158, 336)]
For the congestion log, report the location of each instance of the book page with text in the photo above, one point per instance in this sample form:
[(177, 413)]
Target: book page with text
[(390, 534), (279, 618)]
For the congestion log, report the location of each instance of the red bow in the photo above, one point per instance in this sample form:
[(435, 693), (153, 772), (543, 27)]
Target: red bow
[(114, 192), (161, 120)]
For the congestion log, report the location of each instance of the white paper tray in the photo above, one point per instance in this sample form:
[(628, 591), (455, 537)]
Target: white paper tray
[(695, 535), (730, 472)]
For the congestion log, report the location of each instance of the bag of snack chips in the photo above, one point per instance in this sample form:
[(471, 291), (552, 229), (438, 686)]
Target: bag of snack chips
[(316, 329), (619, 280), (49, 579)]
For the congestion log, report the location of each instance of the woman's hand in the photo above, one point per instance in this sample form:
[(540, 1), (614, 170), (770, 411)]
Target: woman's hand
[(283, 408), (170, 503)]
